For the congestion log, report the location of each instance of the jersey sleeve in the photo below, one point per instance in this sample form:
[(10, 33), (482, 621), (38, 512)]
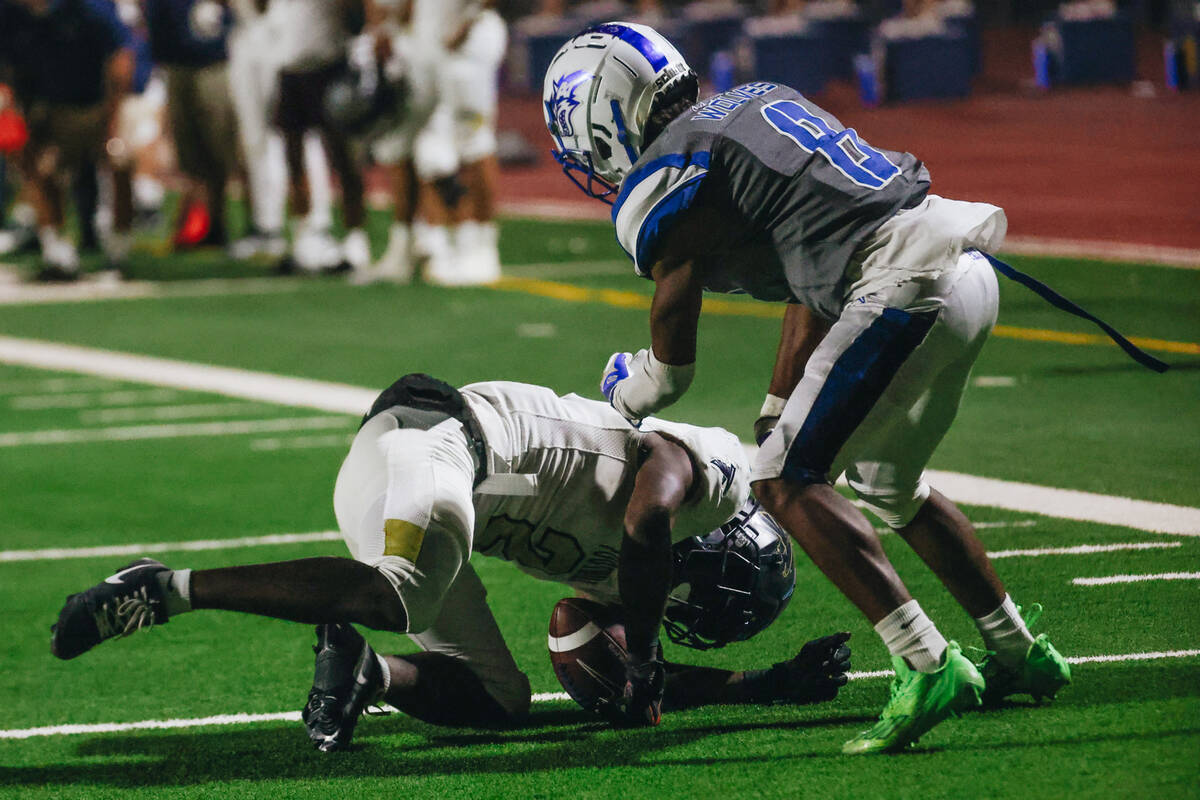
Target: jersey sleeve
[(652, 198)]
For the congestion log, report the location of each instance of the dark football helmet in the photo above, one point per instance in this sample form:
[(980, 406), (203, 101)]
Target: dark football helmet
[(363, 100), (731, 583)]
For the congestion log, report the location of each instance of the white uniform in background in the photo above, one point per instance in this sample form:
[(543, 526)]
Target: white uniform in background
[(254, 64), (560, 473), (451, 122)]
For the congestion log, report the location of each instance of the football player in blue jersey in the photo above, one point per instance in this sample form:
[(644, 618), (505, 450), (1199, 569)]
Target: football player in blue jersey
[(890, 298)]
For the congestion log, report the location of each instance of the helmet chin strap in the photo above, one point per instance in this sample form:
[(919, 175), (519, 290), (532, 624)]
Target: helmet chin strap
[(623, 133)]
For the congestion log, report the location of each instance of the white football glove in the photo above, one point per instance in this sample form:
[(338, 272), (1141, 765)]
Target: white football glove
[(638, 385)]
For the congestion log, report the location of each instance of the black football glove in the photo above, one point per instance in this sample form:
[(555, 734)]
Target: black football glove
[(813, 676), (641, 702)]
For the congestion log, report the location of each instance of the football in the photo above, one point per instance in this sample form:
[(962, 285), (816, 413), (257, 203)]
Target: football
[(587, 651)]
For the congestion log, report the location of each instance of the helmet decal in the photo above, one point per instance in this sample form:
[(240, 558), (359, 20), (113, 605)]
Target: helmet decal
[(623, 132), (647, 48), (563, 101)]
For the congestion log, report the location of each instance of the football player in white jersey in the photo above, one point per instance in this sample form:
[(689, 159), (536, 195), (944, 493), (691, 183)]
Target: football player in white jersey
[(445, 148), (562, 486), (313, 38)]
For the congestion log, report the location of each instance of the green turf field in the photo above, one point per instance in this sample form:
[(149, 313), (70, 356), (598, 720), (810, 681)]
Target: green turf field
[(151, 464)]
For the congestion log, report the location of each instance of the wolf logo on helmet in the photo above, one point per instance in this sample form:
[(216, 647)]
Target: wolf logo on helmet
[(630, 71), (563, 102)]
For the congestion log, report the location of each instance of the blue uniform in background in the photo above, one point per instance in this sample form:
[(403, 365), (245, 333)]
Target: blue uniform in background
[(174, 39), (60, 57)]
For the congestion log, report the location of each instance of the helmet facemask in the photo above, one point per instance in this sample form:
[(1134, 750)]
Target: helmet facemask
[(730, 584)]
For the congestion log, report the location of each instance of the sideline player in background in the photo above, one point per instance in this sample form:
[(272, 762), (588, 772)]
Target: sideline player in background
[(442, 159), (72, 66), (507, 470), (758, 190), (314, 37)]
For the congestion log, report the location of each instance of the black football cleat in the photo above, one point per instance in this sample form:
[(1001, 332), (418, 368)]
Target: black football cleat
[(347, 678), (127, 601)]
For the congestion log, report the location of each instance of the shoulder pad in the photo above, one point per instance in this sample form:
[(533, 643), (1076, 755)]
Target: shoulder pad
[(651, 197)]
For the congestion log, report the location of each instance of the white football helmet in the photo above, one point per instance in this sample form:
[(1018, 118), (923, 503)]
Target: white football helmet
[(598, 97)]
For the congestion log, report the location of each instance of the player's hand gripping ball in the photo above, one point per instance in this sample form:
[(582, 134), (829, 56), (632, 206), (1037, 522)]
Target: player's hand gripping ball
[(587, 651)]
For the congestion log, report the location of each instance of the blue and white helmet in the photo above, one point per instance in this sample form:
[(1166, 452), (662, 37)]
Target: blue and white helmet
[(598, 96)]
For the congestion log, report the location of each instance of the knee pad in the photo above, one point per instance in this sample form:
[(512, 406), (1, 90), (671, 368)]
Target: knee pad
[(434, 153), (475, 138), (895, 508)]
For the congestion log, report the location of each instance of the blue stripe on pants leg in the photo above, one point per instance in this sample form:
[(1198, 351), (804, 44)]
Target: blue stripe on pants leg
[(855, 383)]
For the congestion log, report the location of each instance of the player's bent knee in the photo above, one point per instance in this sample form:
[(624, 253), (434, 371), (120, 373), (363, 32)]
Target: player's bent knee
[(515, 697), (895, 508), (776, 494)]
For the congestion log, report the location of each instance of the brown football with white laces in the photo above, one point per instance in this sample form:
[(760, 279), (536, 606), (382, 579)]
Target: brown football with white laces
[(587, 651)]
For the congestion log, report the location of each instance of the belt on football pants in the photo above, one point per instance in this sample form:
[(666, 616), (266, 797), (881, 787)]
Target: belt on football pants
[(420, 402), (1058, 301)]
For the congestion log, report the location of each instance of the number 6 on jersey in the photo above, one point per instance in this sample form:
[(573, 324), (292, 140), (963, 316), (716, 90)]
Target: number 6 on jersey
[(849, 155)]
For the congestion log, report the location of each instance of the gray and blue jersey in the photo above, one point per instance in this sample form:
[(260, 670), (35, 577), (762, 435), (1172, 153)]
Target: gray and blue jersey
[(794, 193)]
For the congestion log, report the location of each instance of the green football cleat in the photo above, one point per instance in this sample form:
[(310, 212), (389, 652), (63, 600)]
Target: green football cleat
[(919, 701), (1041, 675)]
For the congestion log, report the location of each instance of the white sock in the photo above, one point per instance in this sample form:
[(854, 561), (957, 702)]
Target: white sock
[(399, 238), (1005, 633), (431, 240), (911, 635), (397, 256), (387, 675), (176, 586)]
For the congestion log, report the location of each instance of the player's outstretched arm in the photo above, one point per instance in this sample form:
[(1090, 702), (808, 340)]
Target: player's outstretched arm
[(645, 568), (815, 675), (644, 382)]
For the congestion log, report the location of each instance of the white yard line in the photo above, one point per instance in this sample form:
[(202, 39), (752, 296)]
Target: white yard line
[(143, 432), (228, 381), (91, 291), (1015, 523), (39, 402), (303, 442), (336, 397), (186, 411), (1080, 550), (1159, 576), (545, 697), (1067, 503), (57, 553), (1116, 657), (986, 525), (55, 385)]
